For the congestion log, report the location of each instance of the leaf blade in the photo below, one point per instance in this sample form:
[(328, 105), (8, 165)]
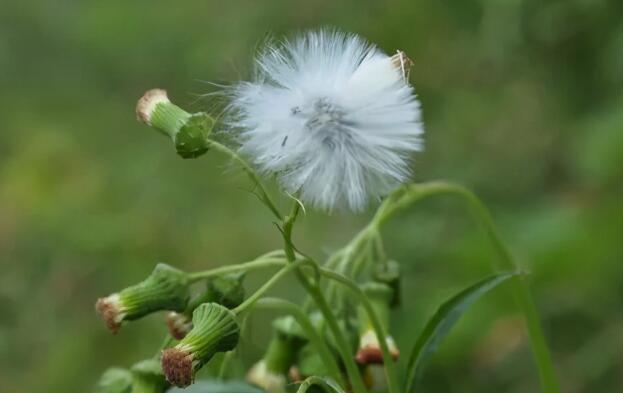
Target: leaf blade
[(440, 324)]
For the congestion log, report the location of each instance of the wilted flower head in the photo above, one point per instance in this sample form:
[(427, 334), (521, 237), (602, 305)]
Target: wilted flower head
[(166, 288), (215, 329), (332, 116)]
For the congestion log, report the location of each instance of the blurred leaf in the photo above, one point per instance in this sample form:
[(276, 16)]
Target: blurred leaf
[(115, 380), (442, 322), (210, 386)]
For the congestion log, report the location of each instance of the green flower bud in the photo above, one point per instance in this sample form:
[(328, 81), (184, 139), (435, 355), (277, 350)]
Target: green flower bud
[(147, 377), (215, 329), (227, 290), (380, 296), (389, 274), (166, 288), (310, 363), (270, 372), (189, 132), (114, 380)]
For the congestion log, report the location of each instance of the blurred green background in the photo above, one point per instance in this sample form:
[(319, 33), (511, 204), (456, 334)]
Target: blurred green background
[(523, 103)]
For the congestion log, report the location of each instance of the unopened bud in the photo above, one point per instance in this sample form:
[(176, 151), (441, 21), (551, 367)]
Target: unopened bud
[(166, 288), (260, 376), (227, 290), (215, 329), (369, 352), (310, 362), (179, 324), (189, 132), (389, 274)]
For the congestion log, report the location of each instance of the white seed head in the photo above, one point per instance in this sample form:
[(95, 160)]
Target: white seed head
[(332, 116), (147, 103)]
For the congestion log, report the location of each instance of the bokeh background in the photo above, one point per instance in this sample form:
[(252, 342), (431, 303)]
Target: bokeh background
[(523, 103)]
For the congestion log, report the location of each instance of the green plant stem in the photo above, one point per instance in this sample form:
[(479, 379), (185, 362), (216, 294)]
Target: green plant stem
[(250, 301), (263, 194), (406, 197), (388, 361), (323, 306), (247, 266), (306, 324)]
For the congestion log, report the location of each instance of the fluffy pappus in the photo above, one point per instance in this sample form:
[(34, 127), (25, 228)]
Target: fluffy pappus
[(332, 116)]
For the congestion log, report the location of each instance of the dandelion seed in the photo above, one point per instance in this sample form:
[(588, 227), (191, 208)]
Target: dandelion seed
[(332, 116)]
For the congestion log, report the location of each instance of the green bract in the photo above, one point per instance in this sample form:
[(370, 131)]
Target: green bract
[(215, 329), (166, 288)]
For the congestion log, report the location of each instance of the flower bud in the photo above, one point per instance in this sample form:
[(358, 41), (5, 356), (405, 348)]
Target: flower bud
[(380, 296), (227, 290), (269, 373), (114, 380), (189, 132), (215, 329), (260, 376), (147, 377), (309, 362), (389, 274), (179, 324), (166, 288)]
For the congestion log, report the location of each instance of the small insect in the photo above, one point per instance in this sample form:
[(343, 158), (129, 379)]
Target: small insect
[(402, 61), (283, 144)]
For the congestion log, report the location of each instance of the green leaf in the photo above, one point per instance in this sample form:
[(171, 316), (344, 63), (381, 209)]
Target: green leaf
[(115, 380), (213, 386), (328, 384), (442, 322)]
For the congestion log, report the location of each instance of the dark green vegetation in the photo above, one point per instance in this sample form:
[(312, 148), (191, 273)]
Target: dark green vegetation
[(523, 103)]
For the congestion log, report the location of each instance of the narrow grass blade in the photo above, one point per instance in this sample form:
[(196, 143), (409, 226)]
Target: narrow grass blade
[(442, 322)]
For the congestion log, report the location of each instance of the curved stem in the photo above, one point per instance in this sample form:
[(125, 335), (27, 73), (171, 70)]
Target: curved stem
[(263, 194), (388, 361), (303, 320), (247, 266), (406, 197), (250, 301)]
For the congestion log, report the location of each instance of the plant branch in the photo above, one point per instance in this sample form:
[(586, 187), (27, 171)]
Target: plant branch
[(264, 196)]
